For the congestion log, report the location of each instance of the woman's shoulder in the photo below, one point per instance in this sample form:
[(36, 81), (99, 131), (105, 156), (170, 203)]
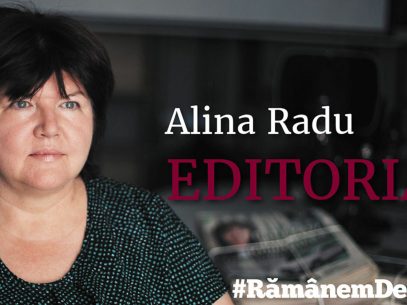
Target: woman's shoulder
[(123, 203), (148, 236)]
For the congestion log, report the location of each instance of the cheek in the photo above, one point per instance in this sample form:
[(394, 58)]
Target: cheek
[(81, 133), (14, 137), (15, 144)]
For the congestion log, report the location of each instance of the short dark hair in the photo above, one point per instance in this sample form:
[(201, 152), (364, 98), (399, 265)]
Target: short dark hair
[(34, 46)]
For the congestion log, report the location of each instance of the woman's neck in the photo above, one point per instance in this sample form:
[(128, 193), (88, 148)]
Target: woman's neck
[(43, 216)]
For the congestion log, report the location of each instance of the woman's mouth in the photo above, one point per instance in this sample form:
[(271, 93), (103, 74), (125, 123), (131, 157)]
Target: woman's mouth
[(47, 155)]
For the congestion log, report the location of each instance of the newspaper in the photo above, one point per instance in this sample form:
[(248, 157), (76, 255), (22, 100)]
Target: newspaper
[(289, 245)]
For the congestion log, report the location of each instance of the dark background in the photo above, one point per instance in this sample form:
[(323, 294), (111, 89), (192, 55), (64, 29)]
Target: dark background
[(246, 67)]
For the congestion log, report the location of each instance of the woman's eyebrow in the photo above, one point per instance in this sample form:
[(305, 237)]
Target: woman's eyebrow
[(78, 92)]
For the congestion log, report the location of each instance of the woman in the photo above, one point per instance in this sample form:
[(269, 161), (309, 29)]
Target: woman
[(67, 237)]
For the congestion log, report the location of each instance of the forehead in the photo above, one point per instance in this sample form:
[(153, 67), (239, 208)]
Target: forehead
[(51, 87)]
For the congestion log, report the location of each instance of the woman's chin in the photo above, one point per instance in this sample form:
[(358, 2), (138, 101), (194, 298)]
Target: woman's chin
[(49, 181)]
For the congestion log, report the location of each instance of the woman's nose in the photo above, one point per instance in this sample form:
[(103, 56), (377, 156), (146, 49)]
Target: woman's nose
[(47, 125)]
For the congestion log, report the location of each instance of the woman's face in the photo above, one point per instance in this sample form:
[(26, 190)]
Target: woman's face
[(45, 141), (237, 235)]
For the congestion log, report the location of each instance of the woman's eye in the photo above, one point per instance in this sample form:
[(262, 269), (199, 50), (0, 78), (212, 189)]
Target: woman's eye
[(20, 104), (70, 105)]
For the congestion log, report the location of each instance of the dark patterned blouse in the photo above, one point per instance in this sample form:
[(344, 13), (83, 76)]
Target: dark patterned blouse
[(135, 251)]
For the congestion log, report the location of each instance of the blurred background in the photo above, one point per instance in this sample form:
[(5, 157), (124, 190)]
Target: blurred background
[(238, 57)]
